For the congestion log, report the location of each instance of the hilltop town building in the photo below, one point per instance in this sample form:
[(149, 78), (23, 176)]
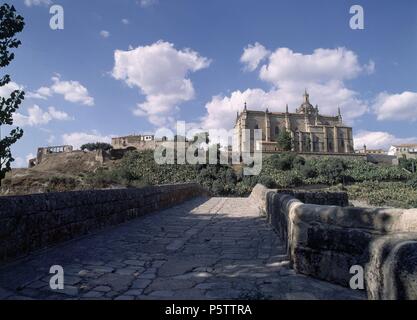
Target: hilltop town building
[(310, 131), (408, 151), (139, 142), (365, 150), (45, 151)]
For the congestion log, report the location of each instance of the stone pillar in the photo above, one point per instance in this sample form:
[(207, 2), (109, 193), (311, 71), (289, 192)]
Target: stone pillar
[(335, 140), (244, 147), (267, 127), (300, 142), (293, 141), (347, 142), (351, 144), (311, 142), (325, 140)]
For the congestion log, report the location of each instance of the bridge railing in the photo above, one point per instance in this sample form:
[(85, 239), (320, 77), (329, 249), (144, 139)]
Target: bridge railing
[(36, 221), (325, 241)]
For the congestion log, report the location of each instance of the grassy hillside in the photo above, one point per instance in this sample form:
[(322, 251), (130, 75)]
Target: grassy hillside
[(377, 185)]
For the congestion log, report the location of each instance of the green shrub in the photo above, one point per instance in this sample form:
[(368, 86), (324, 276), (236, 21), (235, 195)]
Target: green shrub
[(284, 161), (328, 170), (60, 183), (412, 182), (96, 146)]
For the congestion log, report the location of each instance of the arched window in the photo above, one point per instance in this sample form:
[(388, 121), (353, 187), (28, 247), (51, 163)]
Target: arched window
[(276, 131)]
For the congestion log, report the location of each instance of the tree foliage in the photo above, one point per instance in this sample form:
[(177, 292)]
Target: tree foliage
[(96, 146), (284, 140), (10, 24)]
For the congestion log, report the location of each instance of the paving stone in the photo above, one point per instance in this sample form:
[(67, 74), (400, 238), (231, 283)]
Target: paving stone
[(71, 280), (300, 296), (5, 293), (123, 297), (173, 284), (103, 269), (93, 294), (134, 292), (102, 289), (148, 276), (162, 293), (68, 290), (141, 283), (220, 248), (135, 262), (37, 285)]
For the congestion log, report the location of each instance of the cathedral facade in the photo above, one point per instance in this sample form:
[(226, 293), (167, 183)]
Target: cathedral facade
[(310, 131)]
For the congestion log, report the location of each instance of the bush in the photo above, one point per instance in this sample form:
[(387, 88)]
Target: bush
[(359, 171), (329, 170), (392, 194), (308, 171), (412, 182), (285, 161), (408, 164), (267, 182), (61, 183), (96, 146)]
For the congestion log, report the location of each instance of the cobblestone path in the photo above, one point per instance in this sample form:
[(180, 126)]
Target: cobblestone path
[(218, 248)]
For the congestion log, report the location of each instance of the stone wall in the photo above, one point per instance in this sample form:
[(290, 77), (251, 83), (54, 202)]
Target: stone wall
[(32, 222), (324, 241), (259, 195)]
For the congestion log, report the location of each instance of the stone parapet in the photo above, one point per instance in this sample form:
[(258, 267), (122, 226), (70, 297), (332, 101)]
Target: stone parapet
[(32, 222), (325, 241)]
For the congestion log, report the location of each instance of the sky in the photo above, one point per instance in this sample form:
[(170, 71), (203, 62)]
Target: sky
[(121, 67)]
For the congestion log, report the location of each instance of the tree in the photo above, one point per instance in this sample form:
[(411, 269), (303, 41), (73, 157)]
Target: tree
[(10, 24), (284, 140), (96, 146)]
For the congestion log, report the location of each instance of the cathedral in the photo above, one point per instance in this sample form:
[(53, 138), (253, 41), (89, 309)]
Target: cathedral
[(310, 131)]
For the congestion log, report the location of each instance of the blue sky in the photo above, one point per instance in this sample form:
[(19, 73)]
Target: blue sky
[(129, 66)]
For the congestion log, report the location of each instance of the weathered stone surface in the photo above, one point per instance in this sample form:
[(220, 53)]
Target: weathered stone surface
[(51, 218), (325, 241), (392, 271), (228, 252)]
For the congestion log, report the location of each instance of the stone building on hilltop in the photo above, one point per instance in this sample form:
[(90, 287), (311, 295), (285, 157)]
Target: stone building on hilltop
[(407, 151), (310, 131), (138, 142)]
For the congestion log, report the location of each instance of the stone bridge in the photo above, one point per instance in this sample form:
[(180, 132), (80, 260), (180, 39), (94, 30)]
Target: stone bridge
[(199, 248)]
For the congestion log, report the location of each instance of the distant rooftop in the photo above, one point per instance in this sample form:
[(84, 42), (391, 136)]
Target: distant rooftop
[(406, 145)]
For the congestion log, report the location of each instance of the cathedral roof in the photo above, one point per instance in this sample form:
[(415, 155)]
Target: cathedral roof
[(306, 106)]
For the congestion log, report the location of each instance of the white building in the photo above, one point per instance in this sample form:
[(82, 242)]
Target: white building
[(408, 151)]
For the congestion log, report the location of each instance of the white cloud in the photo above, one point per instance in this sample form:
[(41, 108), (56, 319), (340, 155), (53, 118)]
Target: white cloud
[(31, 3), (73, 91), (7, 89), (379, 140), (104, 34), (77, 139), (321, 66), (323, 73), (401, 106), (161, 73), (42, 93), (21, 162), (125, 21), (253, 55), (37, 116), (147, 3)]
